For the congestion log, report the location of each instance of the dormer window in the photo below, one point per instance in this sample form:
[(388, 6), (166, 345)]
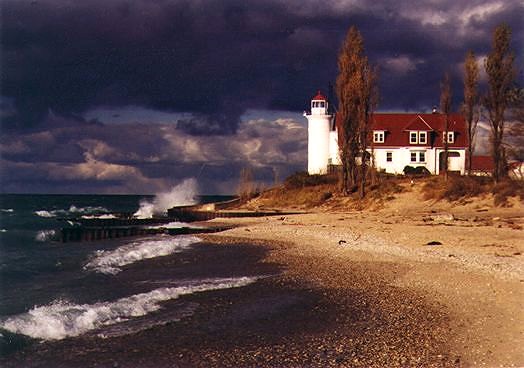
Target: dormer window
[(418, 137), (378, 136), (450, 137)]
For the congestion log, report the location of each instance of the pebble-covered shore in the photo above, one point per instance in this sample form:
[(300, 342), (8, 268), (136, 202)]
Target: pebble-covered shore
[(457, 287)]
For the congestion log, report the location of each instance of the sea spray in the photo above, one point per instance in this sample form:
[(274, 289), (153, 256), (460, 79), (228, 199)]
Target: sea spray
[(182, 194), (62, 318)]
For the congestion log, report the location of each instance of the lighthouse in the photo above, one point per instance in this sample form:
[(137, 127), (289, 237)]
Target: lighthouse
[(319, 131)]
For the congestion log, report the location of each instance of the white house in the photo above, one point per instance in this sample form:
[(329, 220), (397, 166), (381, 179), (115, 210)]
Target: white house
[(396, 140)]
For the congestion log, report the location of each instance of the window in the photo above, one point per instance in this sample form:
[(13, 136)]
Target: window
[(378, 137), (422, 137), (322, 104), (389, 156), (418, 156), (413, 139), (451, 137)]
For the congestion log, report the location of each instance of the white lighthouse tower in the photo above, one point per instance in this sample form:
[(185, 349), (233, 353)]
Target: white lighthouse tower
[(319, 127)]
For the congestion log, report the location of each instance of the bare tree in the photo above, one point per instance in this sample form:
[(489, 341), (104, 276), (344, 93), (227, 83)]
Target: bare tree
[(516, 131), (445, 107), (501, 75), (469, 107), (355, 90), (246, 185)]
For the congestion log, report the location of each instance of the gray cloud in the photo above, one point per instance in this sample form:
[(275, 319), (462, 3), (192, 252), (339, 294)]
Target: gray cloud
[(147, 158)]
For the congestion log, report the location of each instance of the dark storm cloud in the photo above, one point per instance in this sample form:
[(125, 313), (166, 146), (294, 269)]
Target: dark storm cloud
[(210, 60), (217, 58)]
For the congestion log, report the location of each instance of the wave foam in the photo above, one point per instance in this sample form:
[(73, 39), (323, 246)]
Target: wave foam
[(44, 213), (62, 319), (104, 216), (88, 210), (45, 235), (7, 210), (109, 262)]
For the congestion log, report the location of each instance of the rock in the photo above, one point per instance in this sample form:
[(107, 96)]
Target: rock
[(434, 242)]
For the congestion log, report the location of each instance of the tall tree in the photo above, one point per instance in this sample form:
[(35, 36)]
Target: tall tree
[(501, 75), (469, 107), (355, 91), (445, 108)]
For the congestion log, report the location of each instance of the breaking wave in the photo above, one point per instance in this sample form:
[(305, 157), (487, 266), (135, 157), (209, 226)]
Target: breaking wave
[(73, 210), (182, 194), (109, 262), (7, 210), (45, 235), (61, 318)]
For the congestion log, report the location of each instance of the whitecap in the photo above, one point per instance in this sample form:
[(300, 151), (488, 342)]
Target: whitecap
[(103, 217), (61, 318), (7, 210), (3, 230), (45, 235), (110, 261), (87, 209), (44, 213)]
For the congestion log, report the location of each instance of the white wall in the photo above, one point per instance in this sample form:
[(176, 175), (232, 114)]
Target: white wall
[(318, 143), (334, 152), (401, 157)]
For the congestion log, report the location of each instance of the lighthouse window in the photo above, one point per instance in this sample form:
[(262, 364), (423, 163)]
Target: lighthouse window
[(322, 104)]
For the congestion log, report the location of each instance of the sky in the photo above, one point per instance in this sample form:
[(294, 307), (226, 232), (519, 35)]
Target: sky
[(114, 96)]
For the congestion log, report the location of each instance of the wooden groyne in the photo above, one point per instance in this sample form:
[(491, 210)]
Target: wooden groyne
[(92, 229), (81, 233)]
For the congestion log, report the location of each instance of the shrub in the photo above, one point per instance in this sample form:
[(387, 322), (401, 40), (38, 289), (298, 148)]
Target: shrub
[(462, 186), (507, 188), (303, 179), (416, 171)]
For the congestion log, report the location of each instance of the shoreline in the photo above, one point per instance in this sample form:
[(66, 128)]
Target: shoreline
[(474, 277)]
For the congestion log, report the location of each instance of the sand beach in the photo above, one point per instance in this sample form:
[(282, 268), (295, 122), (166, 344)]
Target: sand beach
[(438, 283)]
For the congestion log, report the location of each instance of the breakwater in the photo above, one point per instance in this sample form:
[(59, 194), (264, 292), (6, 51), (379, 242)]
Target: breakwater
[(92, 229)]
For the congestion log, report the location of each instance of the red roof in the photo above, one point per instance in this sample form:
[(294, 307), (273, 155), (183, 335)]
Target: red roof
[(482, 163), (398, 126), (319, 96)]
